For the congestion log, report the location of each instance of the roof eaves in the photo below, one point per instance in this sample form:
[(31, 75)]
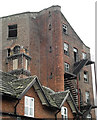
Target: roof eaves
[(27, 88)]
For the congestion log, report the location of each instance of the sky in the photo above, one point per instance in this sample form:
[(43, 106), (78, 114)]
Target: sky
[(79, 13)]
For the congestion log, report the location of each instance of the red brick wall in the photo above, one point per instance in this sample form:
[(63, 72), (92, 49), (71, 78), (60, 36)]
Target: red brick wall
[(45, 62), (39, 110)]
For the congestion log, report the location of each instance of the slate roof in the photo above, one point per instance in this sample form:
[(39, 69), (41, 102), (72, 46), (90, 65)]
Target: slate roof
[(11, 85), (14, 87)]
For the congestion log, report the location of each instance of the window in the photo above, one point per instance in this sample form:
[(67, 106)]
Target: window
[(16, 49), (66, 66), (84, 55), (65, 28), (64, 113), (66, 49), (86, 76), (8, 52), (50, 26), (12, 30), (15, 64), (75, 54), (87, 97), (29, 106), (26, 64)]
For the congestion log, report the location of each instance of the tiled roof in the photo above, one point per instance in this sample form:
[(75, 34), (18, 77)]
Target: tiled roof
[(11, 85), (55, 98)]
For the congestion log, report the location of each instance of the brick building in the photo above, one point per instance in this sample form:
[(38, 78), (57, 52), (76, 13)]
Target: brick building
[(44, 44)]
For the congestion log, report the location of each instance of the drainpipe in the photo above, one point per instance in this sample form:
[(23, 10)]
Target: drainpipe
[(57, 113), (78, 93), (15, 107), (95, 76)]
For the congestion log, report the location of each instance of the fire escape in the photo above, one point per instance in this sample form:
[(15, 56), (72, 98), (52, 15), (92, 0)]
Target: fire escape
[(70, 80)]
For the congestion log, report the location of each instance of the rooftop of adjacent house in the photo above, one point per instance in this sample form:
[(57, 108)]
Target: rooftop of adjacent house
[(16, 88)]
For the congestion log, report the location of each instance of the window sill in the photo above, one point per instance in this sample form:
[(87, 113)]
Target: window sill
[(11, 38), (87, 82)]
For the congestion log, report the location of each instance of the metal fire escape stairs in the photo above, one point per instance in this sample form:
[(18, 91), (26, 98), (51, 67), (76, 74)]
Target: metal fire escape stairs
[(69, 77)]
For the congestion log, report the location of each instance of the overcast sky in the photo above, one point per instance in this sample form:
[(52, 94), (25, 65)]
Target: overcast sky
[(79, 13)]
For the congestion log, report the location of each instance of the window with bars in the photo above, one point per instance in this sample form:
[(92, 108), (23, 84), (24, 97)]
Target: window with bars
[(66, 49), (29, 106), (12, 30)]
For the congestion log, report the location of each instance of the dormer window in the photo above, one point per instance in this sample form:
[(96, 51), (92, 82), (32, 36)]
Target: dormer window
[(65, 28), (16, 49), (12, 30)]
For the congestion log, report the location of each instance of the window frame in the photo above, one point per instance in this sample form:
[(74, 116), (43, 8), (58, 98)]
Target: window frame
[(26, 64), (66, 46), (15, 64), (75, 51), (64, 27), (84, 55), (87, 96), (86, 77), (12, 31), (64, 113), (8, 52), (29, 106), (66, 68)]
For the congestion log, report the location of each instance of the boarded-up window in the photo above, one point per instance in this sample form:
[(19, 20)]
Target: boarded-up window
[(26, 64), (15, 64)]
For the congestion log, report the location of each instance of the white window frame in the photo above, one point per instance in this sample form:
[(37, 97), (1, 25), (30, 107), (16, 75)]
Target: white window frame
[(64, 113), (15, 64), (84, 55), (66, 66), (87, 95), (28, 107), (66, 48)]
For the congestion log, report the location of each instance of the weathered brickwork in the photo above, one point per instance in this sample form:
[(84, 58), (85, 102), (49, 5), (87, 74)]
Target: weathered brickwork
[(42, 35)]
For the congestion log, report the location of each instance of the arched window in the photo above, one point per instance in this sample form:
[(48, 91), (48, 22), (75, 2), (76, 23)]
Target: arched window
[(64, 113), (16, 49)]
